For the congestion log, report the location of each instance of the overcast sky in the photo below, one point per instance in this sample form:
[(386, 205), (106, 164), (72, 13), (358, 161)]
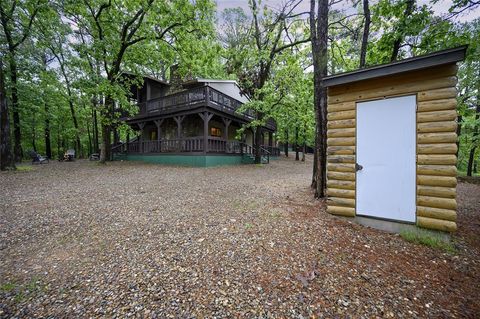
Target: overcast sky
[(441, 7)]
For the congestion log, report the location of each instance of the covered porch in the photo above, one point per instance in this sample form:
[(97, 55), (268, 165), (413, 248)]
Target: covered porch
[(195, 133)]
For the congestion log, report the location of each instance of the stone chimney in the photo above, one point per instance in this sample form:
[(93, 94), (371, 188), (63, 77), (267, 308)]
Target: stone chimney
[(175, 79)]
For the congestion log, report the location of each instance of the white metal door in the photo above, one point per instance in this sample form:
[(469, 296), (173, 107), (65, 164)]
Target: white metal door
[(386, 152)]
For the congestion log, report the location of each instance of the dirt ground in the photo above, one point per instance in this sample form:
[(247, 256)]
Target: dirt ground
[(130, 239)]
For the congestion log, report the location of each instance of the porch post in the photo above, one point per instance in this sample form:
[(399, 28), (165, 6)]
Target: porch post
[(270, 139), (226, 123), (179, 120), (206, 117), (158, 123), (140, 146)]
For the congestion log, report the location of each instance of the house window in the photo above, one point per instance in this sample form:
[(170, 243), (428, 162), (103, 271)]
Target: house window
[(215, 131)]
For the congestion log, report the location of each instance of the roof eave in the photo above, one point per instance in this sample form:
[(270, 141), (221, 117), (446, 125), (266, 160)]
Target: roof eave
[(412, 64)]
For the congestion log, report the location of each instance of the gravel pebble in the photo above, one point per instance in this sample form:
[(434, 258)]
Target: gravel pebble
[(139, 240)]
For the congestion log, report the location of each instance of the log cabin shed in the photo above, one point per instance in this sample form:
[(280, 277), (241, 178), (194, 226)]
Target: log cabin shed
[(392, 141)]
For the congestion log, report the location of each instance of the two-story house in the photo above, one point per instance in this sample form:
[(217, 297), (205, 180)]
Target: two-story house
[(193, 123)]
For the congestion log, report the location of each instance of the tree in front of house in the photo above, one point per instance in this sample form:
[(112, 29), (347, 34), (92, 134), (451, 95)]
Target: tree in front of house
[(16, 21), (121, 35), (288, 99), (253, 44)]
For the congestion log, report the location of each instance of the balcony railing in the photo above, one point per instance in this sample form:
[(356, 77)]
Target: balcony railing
[(197, 96), (174, 101)]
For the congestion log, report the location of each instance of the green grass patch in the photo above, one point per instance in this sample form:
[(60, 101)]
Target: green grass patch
[(24, 168), (7, 287), (428, 238), (23, 291)]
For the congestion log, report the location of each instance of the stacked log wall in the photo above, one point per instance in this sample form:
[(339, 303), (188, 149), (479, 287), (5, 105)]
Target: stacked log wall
[(436, 141)]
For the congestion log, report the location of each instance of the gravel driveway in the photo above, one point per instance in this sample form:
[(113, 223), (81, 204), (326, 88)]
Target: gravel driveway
[(131, 239)]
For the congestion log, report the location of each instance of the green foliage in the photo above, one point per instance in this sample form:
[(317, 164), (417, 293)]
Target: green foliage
[(265, 52), (77, 52), (429, 239), (391, 20)]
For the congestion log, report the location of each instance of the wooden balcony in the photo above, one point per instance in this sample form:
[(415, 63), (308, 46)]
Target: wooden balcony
[(196, 97)]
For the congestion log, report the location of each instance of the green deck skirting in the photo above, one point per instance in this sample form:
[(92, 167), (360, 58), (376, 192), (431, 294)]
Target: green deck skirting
[(185, 160)]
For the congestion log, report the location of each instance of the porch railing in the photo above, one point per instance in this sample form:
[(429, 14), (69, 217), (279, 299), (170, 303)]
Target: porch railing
[(189, 144), (274, 151)]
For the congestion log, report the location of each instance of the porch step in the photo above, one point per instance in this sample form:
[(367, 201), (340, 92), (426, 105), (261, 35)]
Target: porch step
[(250, 159)]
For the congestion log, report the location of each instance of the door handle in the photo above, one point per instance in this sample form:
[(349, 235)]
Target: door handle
[(358, 167)]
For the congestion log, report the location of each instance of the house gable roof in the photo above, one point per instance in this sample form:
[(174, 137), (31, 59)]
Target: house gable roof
[(212, 82), (146, 77)]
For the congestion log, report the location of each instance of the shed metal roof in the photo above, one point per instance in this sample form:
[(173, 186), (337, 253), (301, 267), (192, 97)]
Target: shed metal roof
[(411, 64)]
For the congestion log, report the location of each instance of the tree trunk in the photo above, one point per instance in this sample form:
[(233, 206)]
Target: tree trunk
[(314, 168), (58, 138), (286, 143), (297, 156), (116, 136), (48, 143), (471, 160), (78, 144), (46, 129), (106, 146), (459, 132), (398, 41), (18, 152), (6, 156), (475, 138), (95, 130), (34, 133), (90, 149), (304, 145), (319, 32), (366, 32), (258, 143)]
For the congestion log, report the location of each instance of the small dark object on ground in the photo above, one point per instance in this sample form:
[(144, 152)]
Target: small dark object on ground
[(95, 157), (69, 155), (37, 158)]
